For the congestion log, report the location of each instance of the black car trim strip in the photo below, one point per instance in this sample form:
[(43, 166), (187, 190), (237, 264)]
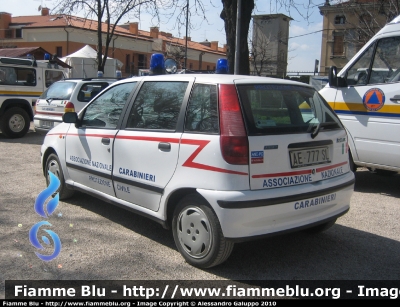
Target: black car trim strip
[(310, 144), (115, 203), (280, 200), (139, 185), (88, 170), (119, 179)]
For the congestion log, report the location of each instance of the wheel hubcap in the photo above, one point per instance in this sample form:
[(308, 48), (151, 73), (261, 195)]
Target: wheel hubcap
[(54, 168), (16, 123), (194, 232)]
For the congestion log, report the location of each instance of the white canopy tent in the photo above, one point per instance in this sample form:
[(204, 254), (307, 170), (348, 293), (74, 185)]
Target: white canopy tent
[(84, 64)]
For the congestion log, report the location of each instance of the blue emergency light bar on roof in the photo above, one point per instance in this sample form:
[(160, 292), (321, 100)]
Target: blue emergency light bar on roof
[(222, 66), (157, 66)]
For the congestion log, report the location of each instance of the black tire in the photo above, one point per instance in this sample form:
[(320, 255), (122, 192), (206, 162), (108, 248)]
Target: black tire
[(385, 172), (197, 233), (15, 123), (353, 167), (53, 165), (321, 227)]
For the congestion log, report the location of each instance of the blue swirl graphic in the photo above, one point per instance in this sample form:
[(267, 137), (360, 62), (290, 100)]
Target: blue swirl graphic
[(35, 242), (46, 193)]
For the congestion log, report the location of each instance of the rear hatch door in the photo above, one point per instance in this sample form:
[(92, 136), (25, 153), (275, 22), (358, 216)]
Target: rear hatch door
[(52, 102), (295, 138)]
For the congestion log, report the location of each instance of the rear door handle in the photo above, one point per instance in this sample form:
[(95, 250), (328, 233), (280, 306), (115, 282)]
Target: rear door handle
[(105, 141), (164, 146)]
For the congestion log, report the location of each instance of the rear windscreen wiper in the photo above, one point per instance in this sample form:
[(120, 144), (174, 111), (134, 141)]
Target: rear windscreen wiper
[(53, 98), (322, 125)]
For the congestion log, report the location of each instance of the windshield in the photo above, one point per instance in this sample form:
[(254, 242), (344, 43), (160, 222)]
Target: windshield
[(283, 109), (59, 91)]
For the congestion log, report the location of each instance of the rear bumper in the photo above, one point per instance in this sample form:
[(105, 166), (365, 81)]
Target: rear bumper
[(39, 121), (247, 215)]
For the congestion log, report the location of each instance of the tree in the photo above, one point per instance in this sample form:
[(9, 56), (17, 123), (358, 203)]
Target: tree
[(176, 52), (112, 11), (260, 54), (229, 15), (109, 11)]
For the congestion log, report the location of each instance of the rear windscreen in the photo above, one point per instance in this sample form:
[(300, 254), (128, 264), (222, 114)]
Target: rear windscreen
[(280, 109), (59, 91)]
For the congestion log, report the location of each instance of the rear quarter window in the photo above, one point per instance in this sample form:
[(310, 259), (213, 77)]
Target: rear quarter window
[(202, 112), (90, 90)]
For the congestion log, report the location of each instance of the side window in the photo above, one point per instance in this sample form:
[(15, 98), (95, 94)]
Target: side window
[(386, 65), (358, 72), (338, 45), (52, 76), (17, 76), (157, 105), (202, 112), (89, 90), (340, 20), (105, 111)]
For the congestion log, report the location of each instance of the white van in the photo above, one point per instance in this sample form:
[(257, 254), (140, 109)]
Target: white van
[(22, 81), (366, 96)]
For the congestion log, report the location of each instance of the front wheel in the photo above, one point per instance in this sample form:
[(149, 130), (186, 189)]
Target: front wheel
[(15, 123), (198, 234), (53, 165)]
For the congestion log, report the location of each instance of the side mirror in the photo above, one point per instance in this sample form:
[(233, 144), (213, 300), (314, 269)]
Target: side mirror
[(70, 118), (332, 78)]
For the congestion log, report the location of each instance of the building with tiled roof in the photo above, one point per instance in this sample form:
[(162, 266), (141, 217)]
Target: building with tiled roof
[(65, 34)]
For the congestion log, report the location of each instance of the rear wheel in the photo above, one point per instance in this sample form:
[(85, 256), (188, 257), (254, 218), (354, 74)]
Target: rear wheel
[(198, 234), (53, 165), (321, 227), (15, 123)]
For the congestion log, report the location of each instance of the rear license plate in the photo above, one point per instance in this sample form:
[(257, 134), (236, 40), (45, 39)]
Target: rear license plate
[(47, 124), (309, 156)]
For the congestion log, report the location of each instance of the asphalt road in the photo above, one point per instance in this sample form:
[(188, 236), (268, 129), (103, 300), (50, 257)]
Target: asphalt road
[(103, 242)]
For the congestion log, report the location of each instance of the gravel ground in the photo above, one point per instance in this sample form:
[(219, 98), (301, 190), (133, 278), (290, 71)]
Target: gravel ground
[(102, 242)]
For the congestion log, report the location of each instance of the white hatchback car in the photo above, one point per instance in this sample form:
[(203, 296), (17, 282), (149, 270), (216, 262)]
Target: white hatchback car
[(67, 95), (217, 158)]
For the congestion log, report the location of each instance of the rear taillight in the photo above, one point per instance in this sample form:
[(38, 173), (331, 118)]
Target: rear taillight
[(233, 140), (69, 107), (34, 105)]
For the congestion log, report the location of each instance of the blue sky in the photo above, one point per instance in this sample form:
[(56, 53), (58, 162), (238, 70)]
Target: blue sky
[(305, 48)]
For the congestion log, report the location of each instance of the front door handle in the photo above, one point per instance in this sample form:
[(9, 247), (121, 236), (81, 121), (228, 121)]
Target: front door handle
[(164, 146), (105, 141), (395, 99)]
